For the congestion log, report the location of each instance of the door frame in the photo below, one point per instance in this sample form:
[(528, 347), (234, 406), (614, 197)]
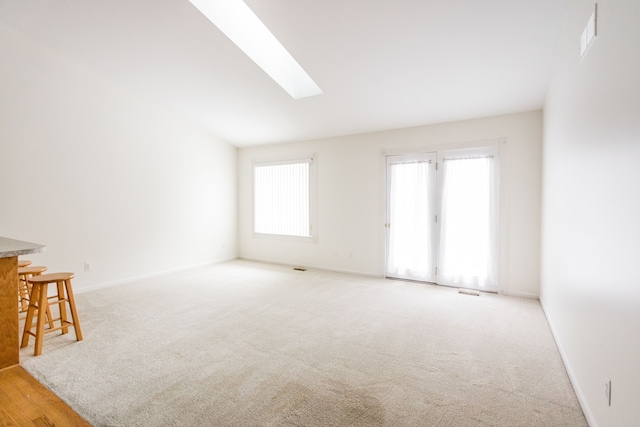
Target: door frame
[(501, 145)]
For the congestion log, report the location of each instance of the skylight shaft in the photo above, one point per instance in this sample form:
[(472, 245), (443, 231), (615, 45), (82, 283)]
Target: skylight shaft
[(238, 22)]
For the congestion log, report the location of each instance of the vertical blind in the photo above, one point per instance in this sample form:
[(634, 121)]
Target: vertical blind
[(281, 199)]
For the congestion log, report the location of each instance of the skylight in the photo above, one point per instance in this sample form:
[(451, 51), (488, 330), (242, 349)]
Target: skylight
[(238, 22)]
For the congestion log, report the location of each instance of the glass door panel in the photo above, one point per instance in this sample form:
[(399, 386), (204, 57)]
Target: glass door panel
[(410, 226)]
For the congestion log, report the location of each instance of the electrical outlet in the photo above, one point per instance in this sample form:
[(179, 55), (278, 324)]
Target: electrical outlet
[(607, 390), (87, 266)]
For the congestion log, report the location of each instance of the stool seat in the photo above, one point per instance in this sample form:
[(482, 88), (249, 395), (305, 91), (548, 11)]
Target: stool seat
[(51, 278), (34, 269), (23, 263), (39, 306)]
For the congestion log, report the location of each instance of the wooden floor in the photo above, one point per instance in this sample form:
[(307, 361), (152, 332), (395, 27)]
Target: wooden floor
[(26, 402)]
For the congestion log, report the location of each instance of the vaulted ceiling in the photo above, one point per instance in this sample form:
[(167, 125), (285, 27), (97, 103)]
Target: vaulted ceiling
[(382, 64)]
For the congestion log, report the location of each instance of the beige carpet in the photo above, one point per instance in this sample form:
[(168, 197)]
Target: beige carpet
[(249, 344)]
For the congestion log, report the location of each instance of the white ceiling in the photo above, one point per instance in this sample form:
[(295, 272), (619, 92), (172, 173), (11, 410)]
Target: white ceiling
[(382, 64)]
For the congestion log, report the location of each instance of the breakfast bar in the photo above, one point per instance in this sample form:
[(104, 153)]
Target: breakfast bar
[(10, 249)]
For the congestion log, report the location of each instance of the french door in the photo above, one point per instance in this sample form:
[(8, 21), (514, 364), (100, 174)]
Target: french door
[(442, 217), (411, 220)]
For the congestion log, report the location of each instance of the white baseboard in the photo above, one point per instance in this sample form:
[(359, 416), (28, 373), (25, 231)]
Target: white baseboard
[(368, 274), (314, 266), (519, 294), (80, 290), (576, 387)]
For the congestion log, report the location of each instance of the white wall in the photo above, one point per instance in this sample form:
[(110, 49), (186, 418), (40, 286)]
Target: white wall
[(591, 210), (351, 198), (99, 175)]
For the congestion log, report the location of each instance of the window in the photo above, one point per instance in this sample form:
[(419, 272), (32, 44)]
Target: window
[(283, 200)]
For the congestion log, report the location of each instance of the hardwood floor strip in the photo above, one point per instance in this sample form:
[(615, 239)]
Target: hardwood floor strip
[(5, 419), (24, 401)]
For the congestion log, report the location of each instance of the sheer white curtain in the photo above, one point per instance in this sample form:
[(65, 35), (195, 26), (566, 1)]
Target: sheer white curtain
[(468, 243), (411, 214)]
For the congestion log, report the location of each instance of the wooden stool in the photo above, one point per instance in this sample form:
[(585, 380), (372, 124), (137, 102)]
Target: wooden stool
[(24, 289), (23, 263), (40, 299)]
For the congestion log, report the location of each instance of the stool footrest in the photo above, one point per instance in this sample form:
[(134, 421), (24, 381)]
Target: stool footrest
[(65, 324)]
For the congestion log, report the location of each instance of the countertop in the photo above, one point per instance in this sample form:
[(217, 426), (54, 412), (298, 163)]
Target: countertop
[(11, 248)]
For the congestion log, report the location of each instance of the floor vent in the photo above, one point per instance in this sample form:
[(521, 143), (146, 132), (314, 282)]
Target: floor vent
[(469, 292), (299, 268)]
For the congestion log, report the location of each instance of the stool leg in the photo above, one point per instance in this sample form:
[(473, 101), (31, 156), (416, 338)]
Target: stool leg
[(28, 324), (74, 311), (63, 307), (27, 288), (49, 317), (43, 305), (23, 294)]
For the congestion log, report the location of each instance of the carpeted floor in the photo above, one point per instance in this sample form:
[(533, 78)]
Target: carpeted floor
[(249, 344)]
